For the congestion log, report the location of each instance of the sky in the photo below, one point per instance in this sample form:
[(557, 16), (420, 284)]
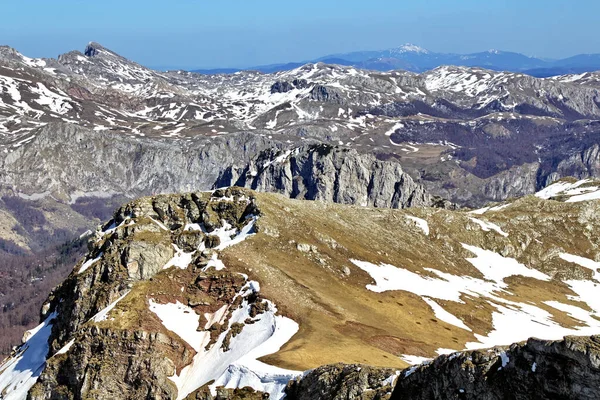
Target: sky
[(243, 33)]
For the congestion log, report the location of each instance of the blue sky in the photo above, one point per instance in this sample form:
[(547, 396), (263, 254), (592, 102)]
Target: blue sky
[(242, 33)]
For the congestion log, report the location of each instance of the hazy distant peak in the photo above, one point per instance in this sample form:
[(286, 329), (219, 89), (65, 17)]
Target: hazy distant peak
[(411, 48)]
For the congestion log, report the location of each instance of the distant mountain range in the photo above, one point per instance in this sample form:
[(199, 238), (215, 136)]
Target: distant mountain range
[(416, 59)]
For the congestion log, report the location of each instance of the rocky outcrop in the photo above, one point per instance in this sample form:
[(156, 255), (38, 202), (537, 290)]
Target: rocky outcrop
[(343, 382), (327, 94), (583, 164), (467, 189), (327, 173), (285, 86), (134, 358), (135, 252), (246, 393), (538, 369), (105, 364), (105, 164)]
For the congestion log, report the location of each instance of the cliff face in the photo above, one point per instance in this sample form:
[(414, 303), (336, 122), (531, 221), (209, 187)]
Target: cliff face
[(322, 172), (537, 369), (68, 162), (72, 162)]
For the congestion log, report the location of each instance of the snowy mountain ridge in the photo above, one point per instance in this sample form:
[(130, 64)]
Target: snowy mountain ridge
[(198, 287)]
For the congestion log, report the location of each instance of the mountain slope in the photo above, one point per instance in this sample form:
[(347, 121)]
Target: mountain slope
[(87, 131), (322, 283), (464, 133)]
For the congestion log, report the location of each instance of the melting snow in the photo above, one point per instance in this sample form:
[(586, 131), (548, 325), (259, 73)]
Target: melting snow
[(592, 195), (229, 235), (512, 321), (89, 263), (19, 373), (102, 315), (66, 347), (444, 315), (413, 360), (587, 291), (558, 188), (421, 223), (238, 366), (488, 226), (584, 262), (56, 103), (181, 320), (394, 128), (181, 259), (496, 268)]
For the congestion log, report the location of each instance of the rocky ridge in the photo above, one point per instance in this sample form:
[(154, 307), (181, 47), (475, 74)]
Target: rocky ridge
[(180, 290), (459, 131), (537, 369)]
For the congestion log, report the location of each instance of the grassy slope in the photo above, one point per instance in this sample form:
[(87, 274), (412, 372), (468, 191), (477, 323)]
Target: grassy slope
[(342, 321)]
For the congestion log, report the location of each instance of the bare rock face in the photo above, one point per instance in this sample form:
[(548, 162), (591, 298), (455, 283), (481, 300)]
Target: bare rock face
[(327, 173), (583, 164), (343, 382), (246, 393), (72, 160), (95, 367), (537, 369), (565, 369)]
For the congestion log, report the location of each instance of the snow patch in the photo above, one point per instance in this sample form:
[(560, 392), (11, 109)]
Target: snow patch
[(414, 360), (421, 223), (21, 371), (89, 263), (444, 315), (181, 259), (488, 226), (102, 315), (496, 268), (238, 366)]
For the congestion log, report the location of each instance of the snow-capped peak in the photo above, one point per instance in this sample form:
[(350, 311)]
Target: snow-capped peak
[(493, 51), (411, 48)]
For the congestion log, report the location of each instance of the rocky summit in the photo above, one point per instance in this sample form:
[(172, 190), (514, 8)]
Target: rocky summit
[(234, 293)]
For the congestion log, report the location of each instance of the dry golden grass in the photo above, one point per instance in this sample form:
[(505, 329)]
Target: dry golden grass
[(325, 293), (340, 320)]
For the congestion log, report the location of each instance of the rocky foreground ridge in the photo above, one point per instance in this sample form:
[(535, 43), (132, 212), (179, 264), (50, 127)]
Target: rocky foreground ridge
[(235, 294)]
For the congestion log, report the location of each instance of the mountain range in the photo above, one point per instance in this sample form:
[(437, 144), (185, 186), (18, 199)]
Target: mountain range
[(323, 232), (413, 58)]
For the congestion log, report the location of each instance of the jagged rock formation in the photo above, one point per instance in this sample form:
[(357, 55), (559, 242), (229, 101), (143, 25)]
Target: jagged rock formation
[(74, 162), (343, 382), (537, 369), (103, 164), (340, 175), (130, 359)]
